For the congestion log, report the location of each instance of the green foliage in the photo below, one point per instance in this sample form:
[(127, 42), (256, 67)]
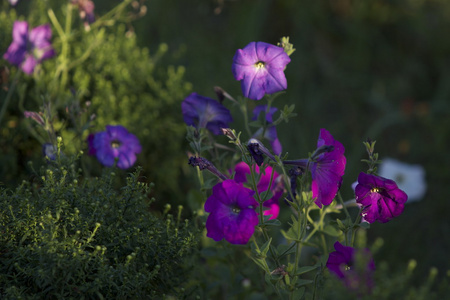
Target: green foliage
[(100, 76), (62, 237)]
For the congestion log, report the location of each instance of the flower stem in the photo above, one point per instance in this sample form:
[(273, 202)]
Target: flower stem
[(9, 95)]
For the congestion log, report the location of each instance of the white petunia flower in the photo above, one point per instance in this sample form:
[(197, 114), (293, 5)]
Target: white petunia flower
[(409, 178)]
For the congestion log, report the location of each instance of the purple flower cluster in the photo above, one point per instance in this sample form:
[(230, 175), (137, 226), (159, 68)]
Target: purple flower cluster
[(260, 68), (380, 198), (277, 189), (29, 48), (343, 263), (232, 212), (204, 112), (115, 143)]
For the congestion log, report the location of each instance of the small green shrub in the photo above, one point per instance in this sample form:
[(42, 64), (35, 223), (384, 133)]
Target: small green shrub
[(65, 239)]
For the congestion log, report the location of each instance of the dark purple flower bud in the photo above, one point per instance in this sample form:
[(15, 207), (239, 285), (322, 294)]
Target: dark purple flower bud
[(257, 151), (115, 143), (203, 112), (232, 213), (354, 267), (271, 132), (29, 48), (277, 188), (293, 174), (380, 198), (260, 68), (204, 164)]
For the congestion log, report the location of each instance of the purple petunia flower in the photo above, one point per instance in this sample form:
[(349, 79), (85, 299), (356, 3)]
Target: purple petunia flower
[(327, 168), (203, 112), (277, 189), (29, 48), (271, 132), (380, 198), (232, 213), (354, 268), (114, 143), (260, 68)]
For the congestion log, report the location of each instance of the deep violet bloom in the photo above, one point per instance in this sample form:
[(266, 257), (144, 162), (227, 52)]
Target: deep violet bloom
[(114, 143), (204, 112), (277, 189), (29, 48), (380, 198), (354, 267), (271, 132), (260, 68), (327, 169), (232, 213), (327, 166)]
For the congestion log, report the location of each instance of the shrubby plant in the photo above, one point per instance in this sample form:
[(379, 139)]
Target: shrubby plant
[(65, 237)]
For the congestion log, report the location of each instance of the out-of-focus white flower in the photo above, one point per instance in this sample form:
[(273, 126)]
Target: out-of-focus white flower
[(409, 178)]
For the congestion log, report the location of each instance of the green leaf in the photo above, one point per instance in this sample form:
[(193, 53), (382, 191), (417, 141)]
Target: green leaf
[(306, 269), (298, 293), (273, 222), (331, 230), (265, 247)]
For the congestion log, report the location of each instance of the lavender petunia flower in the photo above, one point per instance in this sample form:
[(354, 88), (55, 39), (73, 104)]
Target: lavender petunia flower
[(13, 2), (354, 268), (29, 48), (277, 189), (327, 168), (380, 198), (203, 112), (49, 150), (260, 68), (232, 213), (114, 143), (271, 132)]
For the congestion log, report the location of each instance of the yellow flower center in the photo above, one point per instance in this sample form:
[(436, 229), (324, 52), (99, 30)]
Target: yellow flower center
[(260, 65), (115, 144), (375, 190)]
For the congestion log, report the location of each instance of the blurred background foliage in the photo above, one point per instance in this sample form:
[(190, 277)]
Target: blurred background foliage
[(362, 68)]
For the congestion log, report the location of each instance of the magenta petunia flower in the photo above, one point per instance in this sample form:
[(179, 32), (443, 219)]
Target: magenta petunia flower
[(355, 271), (327, 166), (204, 112), (271, 132), (29, 48), (277, 189), (115, 143), (260, 68), (232, 213), (380, 198)]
